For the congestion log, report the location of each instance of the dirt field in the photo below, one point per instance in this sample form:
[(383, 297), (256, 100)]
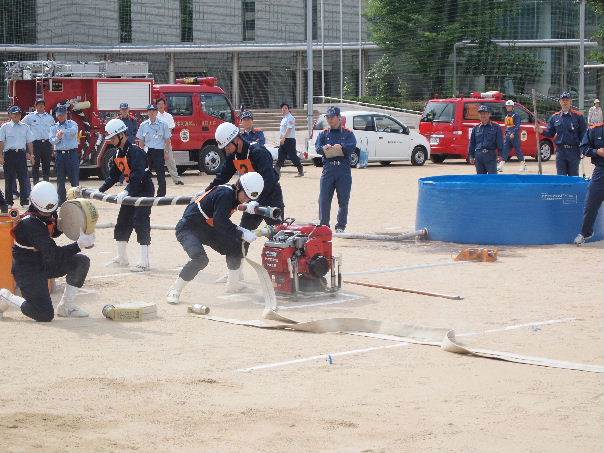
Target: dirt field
[(176, 383)]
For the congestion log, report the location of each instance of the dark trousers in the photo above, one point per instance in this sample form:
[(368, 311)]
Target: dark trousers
[(137, 218), (595, 197), (193, 235), (67, 165), (288, 151), (486, 162), (567, 161), (336, 178), (33, 282), (42, 154), (157, 163), (509, 143), (15, 167)]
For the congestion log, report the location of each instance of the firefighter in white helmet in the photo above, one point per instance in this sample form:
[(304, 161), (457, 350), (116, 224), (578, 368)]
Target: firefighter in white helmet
[(131, 162), (36, 258), (206, 221)]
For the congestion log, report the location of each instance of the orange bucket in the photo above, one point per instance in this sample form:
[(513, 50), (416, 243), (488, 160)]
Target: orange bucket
[(6, 252)]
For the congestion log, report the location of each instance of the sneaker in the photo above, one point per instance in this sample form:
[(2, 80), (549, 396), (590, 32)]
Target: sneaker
[(4, 301), (340, 230), (300, 174), (580, 239), (523, 168), (140, 268), (173, 296), (71, 311), (118, 262), (179, 183), (500, 167)]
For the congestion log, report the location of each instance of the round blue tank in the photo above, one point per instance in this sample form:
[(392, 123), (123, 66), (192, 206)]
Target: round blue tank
[(503, 209)]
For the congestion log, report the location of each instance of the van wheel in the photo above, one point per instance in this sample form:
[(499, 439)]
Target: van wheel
[(317, 161), (385, 163), (106, 163), (545, 148), (437, 158), (418, 156), (354, 159), (211, 159)]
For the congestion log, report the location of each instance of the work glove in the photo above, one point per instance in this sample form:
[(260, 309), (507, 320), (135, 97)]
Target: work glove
[(85, 241), (250, 207), (247, 235), (120, 196)]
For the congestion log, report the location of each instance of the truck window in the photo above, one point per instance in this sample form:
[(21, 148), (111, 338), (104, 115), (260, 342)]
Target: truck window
[(439, 112), (363, 123), (180, 104), (525, 116), (217, 105), (470, 111)]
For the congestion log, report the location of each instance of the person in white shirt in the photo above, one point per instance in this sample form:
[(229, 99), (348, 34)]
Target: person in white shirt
[(167, 118), (594, 116), (287, 141), (40, 122)]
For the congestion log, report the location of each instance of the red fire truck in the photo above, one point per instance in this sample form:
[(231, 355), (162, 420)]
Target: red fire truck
[(448, 123), (93, 91)]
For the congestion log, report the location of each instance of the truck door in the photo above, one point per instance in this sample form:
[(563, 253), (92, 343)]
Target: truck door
[(391, 143)]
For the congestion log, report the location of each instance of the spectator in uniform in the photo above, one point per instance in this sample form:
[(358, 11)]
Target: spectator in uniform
[(64, 136), (250, 133), (129, 121), (511, 140), (40, 122), (155, 135), (486, 143), (287, 141)]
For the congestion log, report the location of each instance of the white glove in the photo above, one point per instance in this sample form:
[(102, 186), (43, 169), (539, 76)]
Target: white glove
[(248, 236), (85, 241), (250, 207), (120, 196)]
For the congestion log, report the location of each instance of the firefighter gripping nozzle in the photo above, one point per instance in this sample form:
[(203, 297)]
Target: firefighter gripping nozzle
[(265, 211)]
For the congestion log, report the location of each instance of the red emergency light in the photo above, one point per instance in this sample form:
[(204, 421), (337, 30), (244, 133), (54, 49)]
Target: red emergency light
[(487, 95)]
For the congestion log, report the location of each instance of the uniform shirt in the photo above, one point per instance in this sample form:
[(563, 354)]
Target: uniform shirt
[(139, 174), (132, 126), (594, 116), (287, 128), (485, 136), (568, 128), (262, 162), (69, 140), (40, 124), (341, 136), (155, 134), (33, 231), (512, 123), (218, 205), (15, 135), (166, 118), (254, 136), (592, 141)]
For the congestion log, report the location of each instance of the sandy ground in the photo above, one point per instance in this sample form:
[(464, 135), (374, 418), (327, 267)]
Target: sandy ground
[(174, 383)]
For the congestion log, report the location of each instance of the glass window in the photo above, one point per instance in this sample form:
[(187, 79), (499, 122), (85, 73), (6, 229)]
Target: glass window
[(470, 111), (248, 16), (125, 20), (387, 124), (180, 104), (363, 123), (217, 105), (439, 112), (186, 21)]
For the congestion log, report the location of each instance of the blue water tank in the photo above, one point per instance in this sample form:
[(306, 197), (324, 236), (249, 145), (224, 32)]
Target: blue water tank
[(503, 209)]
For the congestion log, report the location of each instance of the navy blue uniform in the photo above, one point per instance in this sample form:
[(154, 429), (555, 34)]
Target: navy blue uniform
[(254, 157), (254, 136), (206, 221), (132, 126), (512, 122), (36, 258), (336, 175), (569, 128), (486, 142), (131, 162), (592, 141)]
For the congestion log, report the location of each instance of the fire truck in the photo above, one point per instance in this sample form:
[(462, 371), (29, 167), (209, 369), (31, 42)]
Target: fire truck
[(93, 92)]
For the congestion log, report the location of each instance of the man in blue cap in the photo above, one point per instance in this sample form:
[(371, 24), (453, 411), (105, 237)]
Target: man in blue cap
[(130, 122), (15, 148), (40, 122), (154, 135), (250, 133), (64, 136), (486, 143), (568, 126), (336, 145)]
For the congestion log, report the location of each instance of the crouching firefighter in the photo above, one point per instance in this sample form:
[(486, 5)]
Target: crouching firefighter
[(206, 221), (36, 258), (131, 162), (243, 157)]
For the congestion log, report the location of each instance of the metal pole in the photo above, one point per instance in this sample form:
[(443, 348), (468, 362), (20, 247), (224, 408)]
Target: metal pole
[(454, 84), (171, 70), (235, 80), (582, 55), (309, 67), (341, 55), (360, 52), (322, 56)]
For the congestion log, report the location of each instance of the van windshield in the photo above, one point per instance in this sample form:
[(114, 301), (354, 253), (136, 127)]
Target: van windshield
[(439, 112)]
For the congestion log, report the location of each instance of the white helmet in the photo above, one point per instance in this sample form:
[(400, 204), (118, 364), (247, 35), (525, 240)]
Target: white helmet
[(252, 184), (114, 127), (44, 197), (225, 134), (509, 102)]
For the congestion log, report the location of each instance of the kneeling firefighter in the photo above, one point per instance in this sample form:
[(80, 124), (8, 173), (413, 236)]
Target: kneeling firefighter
[(206, 221), (36, 258), (130, 162)]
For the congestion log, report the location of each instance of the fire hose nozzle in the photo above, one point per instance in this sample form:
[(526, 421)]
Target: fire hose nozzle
[(265, 211)]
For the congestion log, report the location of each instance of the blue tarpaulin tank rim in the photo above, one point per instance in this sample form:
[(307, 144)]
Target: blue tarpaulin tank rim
[(503, 209)]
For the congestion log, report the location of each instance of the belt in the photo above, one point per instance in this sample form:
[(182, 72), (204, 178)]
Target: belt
[(43, 140), (65, 151), (16, 150), (485, 150), (334, 162), (568, 146), (156, 149)]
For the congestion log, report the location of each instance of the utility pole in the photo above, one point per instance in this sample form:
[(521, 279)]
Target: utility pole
[(322, 56), (582, 55), (341, 54), (309, 66)]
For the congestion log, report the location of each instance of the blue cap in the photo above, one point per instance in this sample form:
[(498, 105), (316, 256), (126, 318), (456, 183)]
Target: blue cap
[(40, 101), (15, 109), (246, 114), (565, 95), (124, 105), (484, 108), (60, 110), (151, 107), (333, 111)]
